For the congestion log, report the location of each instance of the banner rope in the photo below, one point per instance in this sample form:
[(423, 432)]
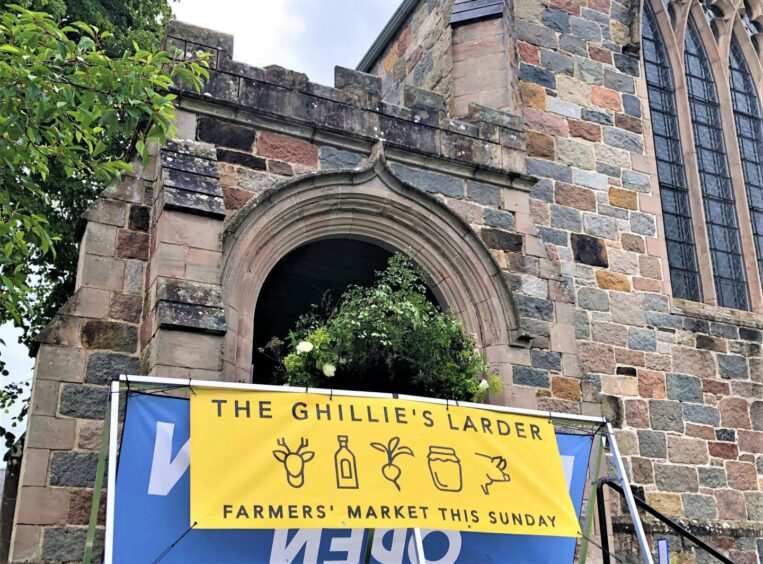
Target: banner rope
[(174, 544)]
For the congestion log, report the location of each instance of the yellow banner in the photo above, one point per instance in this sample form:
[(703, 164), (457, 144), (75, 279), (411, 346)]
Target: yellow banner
[(262, 460)]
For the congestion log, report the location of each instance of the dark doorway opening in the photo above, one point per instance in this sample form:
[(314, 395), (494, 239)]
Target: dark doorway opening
[(301, 279)]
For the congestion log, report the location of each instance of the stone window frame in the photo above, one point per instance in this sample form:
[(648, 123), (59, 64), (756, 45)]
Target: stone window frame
[(374, 205), (716, 39)]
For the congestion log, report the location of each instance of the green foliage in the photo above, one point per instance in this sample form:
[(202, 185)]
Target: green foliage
[(62, 99), (67, 113), (130, 21), (386, 337)]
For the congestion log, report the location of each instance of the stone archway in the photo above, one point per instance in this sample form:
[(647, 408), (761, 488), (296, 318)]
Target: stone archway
[(373, 205)]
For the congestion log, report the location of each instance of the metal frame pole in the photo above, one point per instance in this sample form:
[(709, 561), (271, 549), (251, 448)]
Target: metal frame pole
[(112, 479), (637, 525), (419, 546), (595, 470)]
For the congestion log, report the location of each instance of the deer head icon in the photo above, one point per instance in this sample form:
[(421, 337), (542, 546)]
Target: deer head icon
[(294, 461)]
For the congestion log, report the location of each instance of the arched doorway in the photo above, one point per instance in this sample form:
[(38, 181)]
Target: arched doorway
[(305, 277), (371, 205)]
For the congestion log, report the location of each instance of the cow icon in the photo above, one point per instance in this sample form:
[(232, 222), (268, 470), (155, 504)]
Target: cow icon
[(497, 473)]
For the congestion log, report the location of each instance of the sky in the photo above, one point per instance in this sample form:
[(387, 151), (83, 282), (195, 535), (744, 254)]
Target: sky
[(310, 36)]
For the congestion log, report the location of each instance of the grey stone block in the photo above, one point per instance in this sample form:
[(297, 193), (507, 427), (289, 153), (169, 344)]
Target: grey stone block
[(86, 402), (585, 29), (597, 116), (534, 308), (546, 360), (636, 181), (590, 72), (632, 105), (538, 167), (572, 44), (643, 224), (566, 218), (483, 193), (622, 139), (593, 299), (657, 302), (666, 415), (618, 81), (642, 339), (553, 236), (556, 62), (698, 506), (500, 219), (191, 317), (684, 388), (345, 79), (662, 320), (67, 544), (537, 35), (702, 414), (524, 376), (102, 367), (543, 190), (582, 327), (537, 75), (224, 133), (430, 181), (712, 477), (724, 330), (600, 226), (676, 478), (502, 240), (333, 158), (73, 469), (652, 444), (732, 367), (556, 20)]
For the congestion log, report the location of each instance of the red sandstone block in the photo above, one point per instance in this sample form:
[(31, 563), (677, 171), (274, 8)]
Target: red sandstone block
[(287, 149), (599, 54), (132, 244), (734, 413), (651, 384), (569, 6), (606, 98), (528, 53), (741, 475), (750, 441), (585, 130), (728, 451), (715, 387)]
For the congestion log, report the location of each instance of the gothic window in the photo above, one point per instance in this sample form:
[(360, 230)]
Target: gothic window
[(679, 235), (717, 190), (749, 127)]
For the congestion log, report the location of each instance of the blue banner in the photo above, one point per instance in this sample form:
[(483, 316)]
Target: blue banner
[(152, 508)]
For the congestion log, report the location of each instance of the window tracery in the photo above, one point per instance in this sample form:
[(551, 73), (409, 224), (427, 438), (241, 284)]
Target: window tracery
[(715, 179), (749, 128), (707, 127), (674, 193)]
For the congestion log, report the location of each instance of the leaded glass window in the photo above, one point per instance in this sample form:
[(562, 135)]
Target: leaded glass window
[(717, 191), (747, 117), (679, 235)]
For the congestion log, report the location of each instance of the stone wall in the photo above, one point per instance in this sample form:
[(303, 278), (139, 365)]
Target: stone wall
[(420, 53), (563, 199)]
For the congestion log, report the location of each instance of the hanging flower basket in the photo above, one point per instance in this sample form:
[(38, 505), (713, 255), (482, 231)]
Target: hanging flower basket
[(388, 337)]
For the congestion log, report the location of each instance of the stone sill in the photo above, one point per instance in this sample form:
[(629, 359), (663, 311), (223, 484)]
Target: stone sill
[(716, 313)]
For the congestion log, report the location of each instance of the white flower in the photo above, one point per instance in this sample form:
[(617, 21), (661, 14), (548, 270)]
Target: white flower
[(484, 384), (329, 369), (304, 347)]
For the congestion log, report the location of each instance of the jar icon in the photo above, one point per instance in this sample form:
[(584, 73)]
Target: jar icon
[(445, 468)]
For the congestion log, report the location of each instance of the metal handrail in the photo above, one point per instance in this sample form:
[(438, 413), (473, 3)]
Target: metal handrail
[(680, 529)]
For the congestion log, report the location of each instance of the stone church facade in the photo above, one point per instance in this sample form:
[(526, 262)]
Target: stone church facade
[(578, 177)]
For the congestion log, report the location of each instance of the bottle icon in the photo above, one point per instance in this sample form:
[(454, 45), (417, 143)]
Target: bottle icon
[(345, 466)]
